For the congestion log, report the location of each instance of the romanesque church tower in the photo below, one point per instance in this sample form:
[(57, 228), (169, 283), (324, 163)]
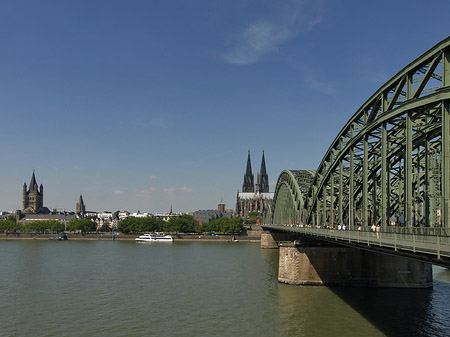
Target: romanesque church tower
[(33, 198)]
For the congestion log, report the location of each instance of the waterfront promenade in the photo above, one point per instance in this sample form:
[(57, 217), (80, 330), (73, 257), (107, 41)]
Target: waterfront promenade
[(128, 237)]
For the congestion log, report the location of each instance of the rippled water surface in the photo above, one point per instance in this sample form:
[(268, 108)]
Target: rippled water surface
[(81, 288)]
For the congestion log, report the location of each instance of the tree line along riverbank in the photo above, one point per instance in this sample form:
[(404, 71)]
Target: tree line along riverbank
[(106, 236), (184, 224)]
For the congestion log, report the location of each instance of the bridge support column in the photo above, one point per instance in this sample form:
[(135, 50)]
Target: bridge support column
[(267, 240), (335, 265), (272, 239)]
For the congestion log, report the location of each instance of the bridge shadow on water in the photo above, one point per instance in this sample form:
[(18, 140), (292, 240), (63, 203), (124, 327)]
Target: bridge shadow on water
[(395, 312), (366, 311), (362, 311), (402, 311)]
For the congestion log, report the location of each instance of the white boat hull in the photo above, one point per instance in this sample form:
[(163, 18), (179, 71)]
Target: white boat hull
[(154, 238)]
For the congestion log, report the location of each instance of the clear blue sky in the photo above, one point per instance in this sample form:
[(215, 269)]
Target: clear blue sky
[(140, 105)]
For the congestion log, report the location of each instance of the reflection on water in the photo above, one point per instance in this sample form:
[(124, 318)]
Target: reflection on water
[(320, 312), (441, 274), (194, 289), (396, 312)]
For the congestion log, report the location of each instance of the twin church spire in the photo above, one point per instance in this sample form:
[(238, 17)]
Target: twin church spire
[(262, 180)]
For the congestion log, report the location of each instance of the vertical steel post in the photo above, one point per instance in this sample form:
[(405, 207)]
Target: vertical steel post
[(401, 195), (426, 185), (445, 174), (341, 192), (324, 205), (351, 182), (408, 158), (374, 191), (365, 192), (384, 151), (433, 190), (384, 222), (332, 199), (445, 140), (408, 172)]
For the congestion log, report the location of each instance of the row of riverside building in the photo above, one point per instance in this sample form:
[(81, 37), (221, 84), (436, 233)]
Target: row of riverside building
[(254, 198)]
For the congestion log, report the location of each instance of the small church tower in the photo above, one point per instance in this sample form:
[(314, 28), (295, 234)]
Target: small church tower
[(80, 207)]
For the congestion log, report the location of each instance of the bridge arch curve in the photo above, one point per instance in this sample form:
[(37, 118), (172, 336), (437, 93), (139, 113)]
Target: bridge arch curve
[(390, 163), (292, 186)]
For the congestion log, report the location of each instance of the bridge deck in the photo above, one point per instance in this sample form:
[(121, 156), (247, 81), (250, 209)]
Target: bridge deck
[(424, 247)]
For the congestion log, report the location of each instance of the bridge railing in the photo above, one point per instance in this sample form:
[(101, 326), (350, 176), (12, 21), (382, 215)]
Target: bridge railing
[(426, 231), (429, 241)]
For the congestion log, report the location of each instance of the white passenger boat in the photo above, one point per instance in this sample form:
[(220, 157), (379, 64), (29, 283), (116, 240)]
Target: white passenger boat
[(154, 237)]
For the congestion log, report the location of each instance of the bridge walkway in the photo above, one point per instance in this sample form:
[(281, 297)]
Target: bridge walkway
[(415, 243)]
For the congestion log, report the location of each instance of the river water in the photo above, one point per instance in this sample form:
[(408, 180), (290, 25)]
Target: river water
[(105, 288)]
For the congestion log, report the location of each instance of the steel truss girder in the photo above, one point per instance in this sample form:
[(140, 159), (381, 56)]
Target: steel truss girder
[(392, 156), (292, 188)]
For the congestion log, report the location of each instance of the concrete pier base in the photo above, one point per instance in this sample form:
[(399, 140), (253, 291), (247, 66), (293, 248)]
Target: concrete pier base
[(267, 241), (335, 265), (272, 240)]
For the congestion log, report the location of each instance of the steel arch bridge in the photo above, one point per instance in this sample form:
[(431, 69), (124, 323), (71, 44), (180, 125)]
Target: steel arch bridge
[(389, 163)]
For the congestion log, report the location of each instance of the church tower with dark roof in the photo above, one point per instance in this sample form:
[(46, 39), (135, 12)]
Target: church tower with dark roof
[(33, 198), (80, 208)]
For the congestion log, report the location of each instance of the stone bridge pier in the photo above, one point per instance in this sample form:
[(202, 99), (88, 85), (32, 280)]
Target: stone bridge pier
[(272, 240), (309, 262)]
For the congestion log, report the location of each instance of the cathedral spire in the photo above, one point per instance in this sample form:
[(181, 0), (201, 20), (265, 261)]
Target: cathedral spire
[(263, 177), (263, 165), (249, 165), (249, 185)]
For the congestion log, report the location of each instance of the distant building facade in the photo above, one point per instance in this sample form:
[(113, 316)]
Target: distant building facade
[(204, 216), (254, 197)]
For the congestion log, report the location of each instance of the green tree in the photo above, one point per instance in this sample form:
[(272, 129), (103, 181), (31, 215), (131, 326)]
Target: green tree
[(105, 228), (82, 225), (140, 225), (9, 225), (44, 226), (252, 218), (57, 227), (224, 225), (184, 224)]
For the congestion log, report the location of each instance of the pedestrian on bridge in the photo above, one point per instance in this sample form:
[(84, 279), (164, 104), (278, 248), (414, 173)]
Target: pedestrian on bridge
[(373, 229)]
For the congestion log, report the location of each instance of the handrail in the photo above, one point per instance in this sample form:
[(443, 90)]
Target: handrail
[(410, 239)]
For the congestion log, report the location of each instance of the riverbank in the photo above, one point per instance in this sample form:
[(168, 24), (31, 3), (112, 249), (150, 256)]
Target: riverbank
[(127, 237)]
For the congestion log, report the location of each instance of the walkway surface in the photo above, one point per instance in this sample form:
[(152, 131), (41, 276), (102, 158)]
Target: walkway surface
[(418, 243)]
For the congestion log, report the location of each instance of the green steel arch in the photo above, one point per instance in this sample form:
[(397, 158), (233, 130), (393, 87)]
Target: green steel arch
[(391, 161), (292, 188)]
